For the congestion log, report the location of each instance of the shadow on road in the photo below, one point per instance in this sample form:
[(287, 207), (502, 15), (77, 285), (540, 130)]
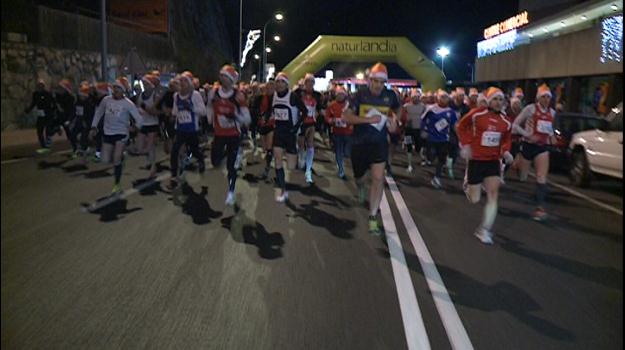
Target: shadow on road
[(245, 230), (113, 210), (195, 204), (338, 227)]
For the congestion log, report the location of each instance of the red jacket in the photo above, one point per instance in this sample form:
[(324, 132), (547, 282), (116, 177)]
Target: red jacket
[(487, 132), (333, 118)]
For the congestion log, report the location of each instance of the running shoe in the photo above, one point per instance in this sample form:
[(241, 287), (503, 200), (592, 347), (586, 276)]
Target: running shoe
[(230, 198), (43, 150), (436, 182), (97, 157), (409, 169), (540, 214), (116, 188), (374, 228), (423, 163), (309, 178), (283, 197), (484, 235)]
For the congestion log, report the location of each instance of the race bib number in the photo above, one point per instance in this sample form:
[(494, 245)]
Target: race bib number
[(281, 114), (79, 111), (340, 123), (40, 113), (184, 117), (491, 139), (408, 140), (441, 125), (544, 127), (226, 123), (311, 111)]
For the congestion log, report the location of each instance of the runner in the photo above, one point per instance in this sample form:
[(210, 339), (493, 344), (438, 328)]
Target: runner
[(165, 105), (461, 109), (535, 125), (306, 139), (65, 112), (341, 131), (188, 108), (289, 112), (438, 120), (116, 111), (473, 94), (84, 111), (411, 117), (146, 102), (44, 104), (102, 90), (485, 137), (267, 124), (373, 111), (512, 112), (228, 112)]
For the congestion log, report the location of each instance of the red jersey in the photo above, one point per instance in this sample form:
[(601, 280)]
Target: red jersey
[(312, 102), (265, 108), (487, 132), (541, 124), (334, 118), (225, 110)]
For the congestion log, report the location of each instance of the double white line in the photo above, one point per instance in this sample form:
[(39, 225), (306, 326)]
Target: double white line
[(414, 327)]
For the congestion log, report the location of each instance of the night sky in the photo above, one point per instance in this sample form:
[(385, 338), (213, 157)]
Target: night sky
[(456, 24)]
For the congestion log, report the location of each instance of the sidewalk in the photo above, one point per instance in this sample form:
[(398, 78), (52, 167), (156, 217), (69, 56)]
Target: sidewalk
[(19, 138)]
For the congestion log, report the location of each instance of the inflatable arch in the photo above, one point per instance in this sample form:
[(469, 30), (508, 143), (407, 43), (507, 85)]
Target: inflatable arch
[(331, 48)]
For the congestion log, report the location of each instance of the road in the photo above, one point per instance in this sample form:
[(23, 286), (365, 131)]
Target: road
[(181, 270)]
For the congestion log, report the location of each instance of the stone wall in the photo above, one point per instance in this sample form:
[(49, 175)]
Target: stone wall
[(23, 64)]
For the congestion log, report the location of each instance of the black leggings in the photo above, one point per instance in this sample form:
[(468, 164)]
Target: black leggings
[(192, 141), (43, 124), (438, 150), (226, 147)]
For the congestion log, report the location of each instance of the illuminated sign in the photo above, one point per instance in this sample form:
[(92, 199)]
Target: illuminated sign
[(511, 23), (500, 43), (612, 39)]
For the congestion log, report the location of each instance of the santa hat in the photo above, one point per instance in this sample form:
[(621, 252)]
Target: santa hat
[(518, 92), (150, 79), (378, 71), (102, 88), (340, 90), (309, 76), (66, 84), (543, 90), (282, 76), (230, 72), (473, 92), (493, 92)]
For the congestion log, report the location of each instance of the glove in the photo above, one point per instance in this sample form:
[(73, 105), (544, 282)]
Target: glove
[(508, 158), (465, 152)]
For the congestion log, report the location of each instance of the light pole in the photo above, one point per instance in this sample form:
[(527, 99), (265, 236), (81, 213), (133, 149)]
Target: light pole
[(105, 76), (443, 52), (278, 17), (240, 33), (257, 58)]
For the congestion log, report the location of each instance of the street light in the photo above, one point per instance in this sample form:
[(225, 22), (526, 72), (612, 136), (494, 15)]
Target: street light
[(268, 50), (279, 17), (256, 56), (360, 76), (276, 38), (443, 52)]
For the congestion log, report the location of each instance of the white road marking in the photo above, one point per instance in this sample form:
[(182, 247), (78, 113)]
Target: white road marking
[(456, 332), (583, 196), (416, 336)]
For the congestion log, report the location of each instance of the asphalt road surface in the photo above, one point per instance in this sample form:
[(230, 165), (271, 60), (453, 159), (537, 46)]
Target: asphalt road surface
[(156, 269)]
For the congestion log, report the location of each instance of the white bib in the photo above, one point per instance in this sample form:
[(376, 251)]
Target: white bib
[(441, 125), (79, 111), (544, 127), (281, 114), (225, 122), (340, 123), (311, 111), (40, 113), (184, 117), (408, 140), (491, 139)]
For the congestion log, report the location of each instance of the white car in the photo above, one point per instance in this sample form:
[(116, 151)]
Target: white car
[(598, 151)]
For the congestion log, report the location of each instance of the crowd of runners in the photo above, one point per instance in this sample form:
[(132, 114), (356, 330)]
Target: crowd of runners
[(490, 132)]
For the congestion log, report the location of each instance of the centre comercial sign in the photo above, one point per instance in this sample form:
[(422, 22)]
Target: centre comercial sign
[(511, 23)]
